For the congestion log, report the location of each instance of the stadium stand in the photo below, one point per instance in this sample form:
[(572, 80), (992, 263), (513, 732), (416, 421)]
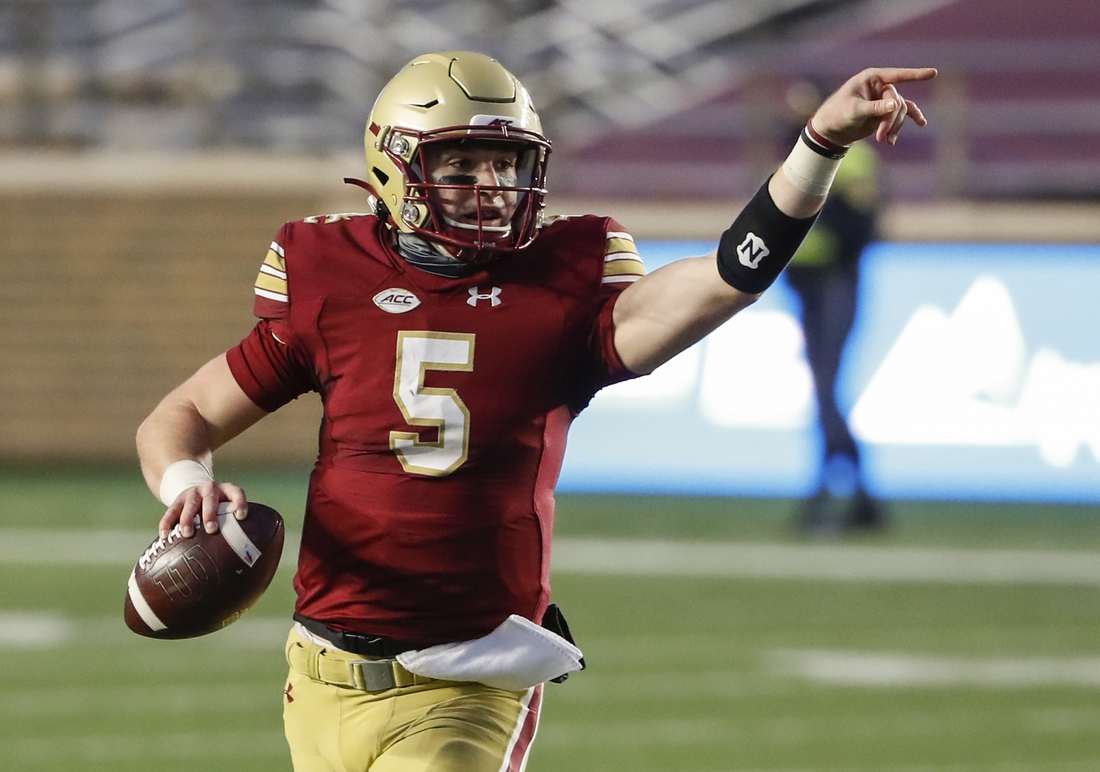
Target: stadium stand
[(682, 90), (1016, 109), (149, 150)]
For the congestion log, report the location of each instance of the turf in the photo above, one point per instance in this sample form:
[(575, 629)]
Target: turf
[(97, 497), (690, 674)]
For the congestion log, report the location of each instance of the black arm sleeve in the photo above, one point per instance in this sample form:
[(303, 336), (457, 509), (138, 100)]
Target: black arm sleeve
[(759, 244)]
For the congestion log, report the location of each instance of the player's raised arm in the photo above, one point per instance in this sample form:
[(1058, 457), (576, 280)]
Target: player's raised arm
[(673, 307)]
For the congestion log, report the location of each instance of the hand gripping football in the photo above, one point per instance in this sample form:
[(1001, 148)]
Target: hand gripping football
[(186, 587)]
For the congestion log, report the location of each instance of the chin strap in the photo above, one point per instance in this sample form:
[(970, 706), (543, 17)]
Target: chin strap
[(376, 203)]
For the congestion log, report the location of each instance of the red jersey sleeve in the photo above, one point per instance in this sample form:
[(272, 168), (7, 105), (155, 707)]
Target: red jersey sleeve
[(269, 366), (272, 292), (622, 267), (621, 264)]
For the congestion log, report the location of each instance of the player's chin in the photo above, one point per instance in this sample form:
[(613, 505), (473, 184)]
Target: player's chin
[(487, 231)]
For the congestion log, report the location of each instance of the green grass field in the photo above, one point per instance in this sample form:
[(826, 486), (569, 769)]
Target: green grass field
[(971, 644)]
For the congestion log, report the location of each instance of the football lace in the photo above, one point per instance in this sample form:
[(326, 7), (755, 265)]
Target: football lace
[(154, 550)]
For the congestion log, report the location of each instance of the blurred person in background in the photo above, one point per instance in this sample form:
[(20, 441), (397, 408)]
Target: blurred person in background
[(824, 273), (453, 334)]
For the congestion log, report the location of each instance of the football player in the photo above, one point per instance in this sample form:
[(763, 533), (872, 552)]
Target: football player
[(453, 333)]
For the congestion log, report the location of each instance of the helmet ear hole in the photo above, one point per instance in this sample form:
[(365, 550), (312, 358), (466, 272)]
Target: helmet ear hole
[(381, 175)]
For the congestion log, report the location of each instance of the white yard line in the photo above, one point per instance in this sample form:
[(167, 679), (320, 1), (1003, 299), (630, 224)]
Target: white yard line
[(1088, 765), (121, 747), (33, 629), (817, 562), (822, 562), (73, 547), (1077, 765), (869, 668), (25, 546)]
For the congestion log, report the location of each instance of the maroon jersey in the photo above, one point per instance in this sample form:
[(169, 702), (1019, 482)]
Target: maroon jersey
[(446, 405)]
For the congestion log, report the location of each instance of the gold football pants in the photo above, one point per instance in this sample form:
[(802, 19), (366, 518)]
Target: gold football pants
[(334, 724)]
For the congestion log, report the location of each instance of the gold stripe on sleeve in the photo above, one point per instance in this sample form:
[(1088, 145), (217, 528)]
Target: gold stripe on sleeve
[(275, 260), (271, 283), (620, 266), (618, 244)]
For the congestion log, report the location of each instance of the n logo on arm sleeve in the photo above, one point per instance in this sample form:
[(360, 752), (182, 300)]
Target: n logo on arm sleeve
[(752, 250)]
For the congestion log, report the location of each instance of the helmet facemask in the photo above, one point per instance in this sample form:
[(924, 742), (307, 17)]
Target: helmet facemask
[(476, 231), (456, 97)]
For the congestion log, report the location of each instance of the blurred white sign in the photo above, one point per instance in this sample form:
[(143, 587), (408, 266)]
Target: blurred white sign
[(974, 371)]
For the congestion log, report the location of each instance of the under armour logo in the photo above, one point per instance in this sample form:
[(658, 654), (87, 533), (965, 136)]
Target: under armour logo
[(752, 250), (287, 690), (493, 296)]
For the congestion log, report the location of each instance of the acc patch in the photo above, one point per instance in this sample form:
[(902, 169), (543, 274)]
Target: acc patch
[(396, 300)]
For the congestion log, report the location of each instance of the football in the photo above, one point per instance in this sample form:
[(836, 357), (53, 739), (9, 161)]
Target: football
[(186, 587)]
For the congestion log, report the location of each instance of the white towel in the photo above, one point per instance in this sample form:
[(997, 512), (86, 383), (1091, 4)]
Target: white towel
[(517, 655)]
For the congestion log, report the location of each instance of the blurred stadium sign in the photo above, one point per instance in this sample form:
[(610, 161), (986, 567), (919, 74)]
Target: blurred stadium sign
[(973, 372)]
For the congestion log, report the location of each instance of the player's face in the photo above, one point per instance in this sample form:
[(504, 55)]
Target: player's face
[(490, 167)]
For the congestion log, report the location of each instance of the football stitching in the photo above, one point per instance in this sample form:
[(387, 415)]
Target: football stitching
[(153, 551)]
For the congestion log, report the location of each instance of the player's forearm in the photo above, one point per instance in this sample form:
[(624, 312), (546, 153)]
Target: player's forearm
[(790, 200), (669, 310), (174, 431), (175, 446), (196, 419)]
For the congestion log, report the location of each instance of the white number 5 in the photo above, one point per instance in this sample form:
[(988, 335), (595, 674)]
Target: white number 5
[(418, 352)]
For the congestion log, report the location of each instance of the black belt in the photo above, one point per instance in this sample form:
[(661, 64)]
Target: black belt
[(363, 644)]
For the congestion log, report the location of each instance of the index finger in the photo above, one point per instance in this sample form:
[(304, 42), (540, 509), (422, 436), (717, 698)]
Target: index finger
[(905, 74)]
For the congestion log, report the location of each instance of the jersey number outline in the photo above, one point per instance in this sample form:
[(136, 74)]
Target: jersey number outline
[(429, 406)]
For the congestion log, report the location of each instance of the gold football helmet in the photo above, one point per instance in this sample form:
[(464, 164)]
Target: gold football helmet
[(446, 97)]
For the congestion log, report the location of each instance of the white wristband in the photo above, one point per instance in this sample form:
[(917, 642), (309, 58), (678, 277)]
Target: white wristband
[(179, 476), (810, 171)]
